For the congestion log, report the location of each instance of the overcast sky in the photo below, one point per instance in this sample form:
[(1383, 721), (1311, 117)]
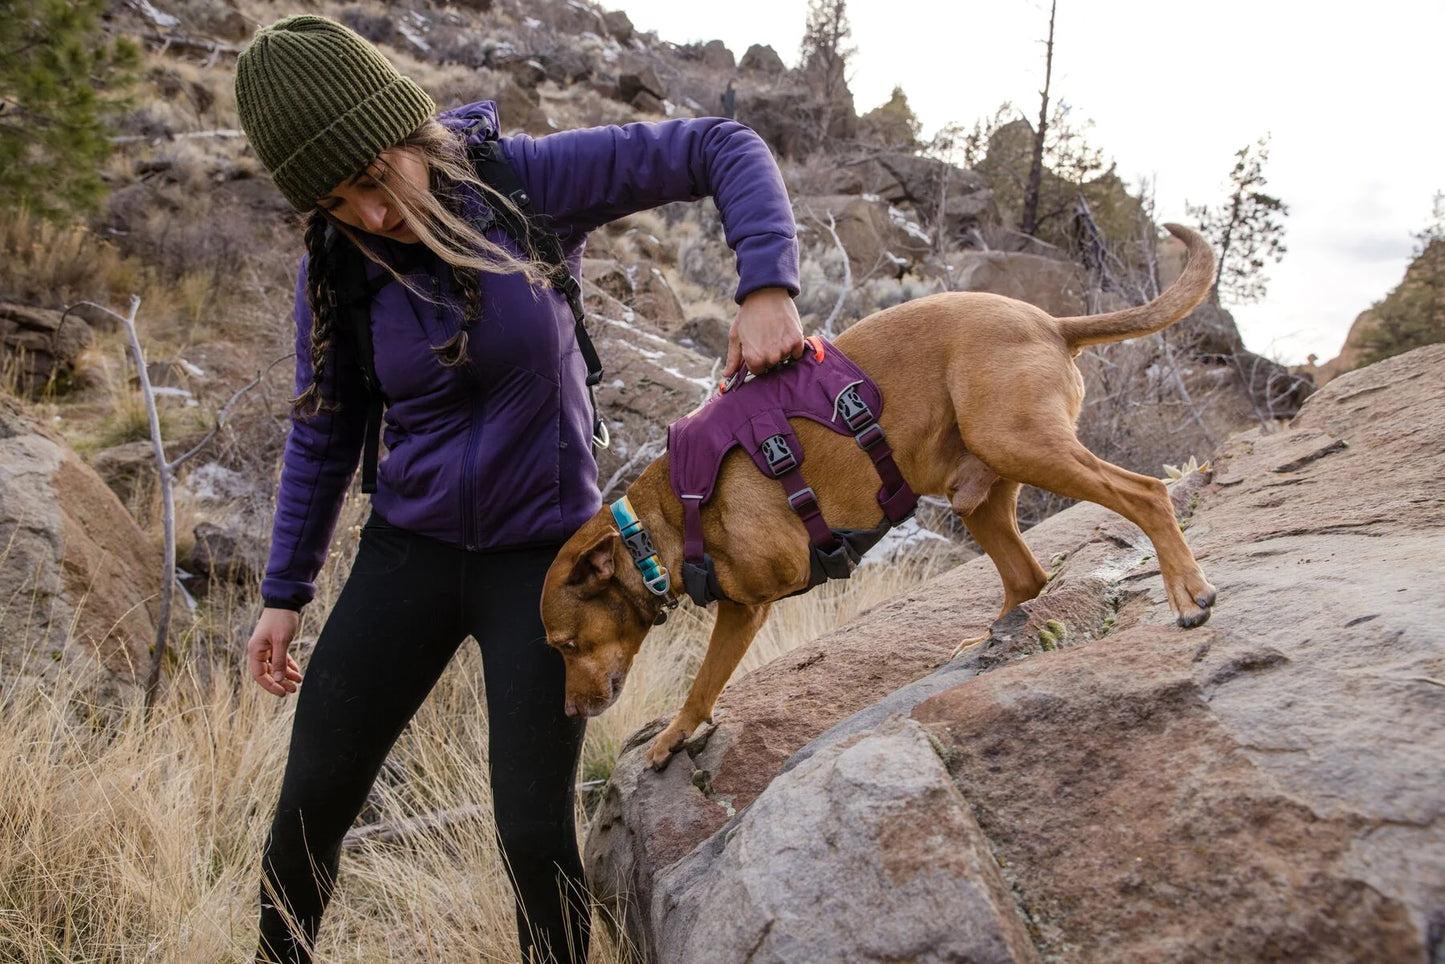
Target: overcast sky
[(1349, 93)]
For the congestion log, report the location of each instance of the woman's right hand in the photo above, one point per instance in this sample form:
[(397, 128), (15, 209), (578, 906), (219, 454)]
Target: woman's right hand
[(266, 655)]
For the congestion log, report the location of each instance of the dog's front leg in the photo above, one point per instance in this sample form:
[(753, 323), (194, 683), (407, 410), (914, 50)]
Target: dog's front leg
[(732, 633)]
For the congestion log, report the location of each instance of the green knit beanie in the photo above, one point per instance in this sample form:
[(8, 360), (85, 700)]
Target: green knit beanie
[(319, 103)]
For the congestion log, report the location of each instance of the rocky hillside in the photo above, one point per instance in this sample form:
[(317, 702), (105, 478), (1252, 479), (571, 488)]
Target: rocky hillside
[(195, 226), (1092, 783)]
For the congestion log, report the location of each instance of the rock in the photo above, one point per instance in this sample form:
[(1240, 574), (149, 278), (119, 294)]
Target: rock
[(920, 184), (1056, 286), (639, 287), (639, 81), (648, 103), (567, 65), (224, 554), (41, 347), (1264, 787), (866, 852), (716, 55), (649, 379), (878, 238), (515, 104), (78, 577), (618, 26), (762, 59), (129, 469)]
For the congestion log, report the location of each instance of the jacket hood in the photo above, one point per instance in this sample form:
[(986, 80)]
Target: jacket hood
[(479, 120)]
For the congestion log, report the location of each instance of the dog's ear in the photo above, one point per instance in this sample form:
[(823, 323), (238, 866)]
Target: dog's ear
[(596, 565)]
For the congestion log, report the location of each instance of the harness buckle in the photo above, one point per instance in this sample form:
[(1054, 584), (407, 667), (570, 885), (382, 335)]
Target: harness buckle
[(779, 455), (869, 437), (804, 501), (854, 411)]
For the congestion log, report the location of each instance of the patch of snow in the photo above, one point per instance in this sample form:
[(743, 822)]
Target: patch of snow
[(531, 23), (901, 220), (166, 391), (155, 16), (192, 370), (646, 334), (411, 34), (705, 384)]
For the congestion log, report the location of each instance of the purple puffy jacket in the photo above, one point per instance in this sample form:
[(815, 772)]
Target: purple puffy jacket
[(498, 453)]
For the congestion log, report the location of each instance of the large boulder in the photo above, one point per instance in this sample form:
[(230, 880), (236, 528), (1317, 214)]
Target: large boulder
[(1057, 286), (762, 59), (40, 347), (79, 580), (640, 287), (1265, 787), (879, 239), (933, 189)]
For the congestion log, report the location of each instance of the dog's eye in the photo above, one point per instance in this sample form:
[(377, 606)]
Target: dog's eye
[(568, 645)]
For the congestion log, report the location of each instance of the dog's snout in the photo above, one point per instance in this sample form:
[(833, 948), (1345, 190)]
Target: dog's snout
[(570, 708)]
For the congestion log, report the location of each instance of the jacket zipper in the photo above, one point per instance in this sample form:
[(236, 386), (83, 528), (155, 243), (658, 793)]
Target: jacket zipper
[(469, 481)]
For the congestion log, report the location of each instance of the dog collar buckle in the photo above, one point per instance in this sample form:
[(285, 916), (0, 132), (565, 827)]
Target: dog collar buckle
[(644, 554)]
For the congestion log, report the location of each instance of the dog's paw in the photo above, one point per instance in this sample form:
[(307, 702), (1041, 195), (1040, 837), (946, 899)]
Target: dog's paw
[(1194, 617), (668, 742)]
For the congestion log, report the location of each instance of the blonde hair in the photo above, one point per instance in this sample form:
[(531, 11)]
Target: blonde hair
[(438, 218)]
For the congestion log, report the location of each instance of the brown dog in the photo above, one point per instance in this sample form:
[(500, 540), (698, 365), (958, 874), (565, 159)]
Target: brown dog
[(981, 396)]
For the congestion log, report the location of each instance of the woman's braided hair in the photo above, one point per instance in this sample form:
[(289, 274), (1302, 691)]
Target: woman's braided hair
[(438, 218)]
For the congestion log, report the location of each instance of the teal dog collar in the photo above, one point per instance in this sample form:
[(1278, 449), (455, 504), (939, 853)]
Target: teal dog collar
[(644, 554)]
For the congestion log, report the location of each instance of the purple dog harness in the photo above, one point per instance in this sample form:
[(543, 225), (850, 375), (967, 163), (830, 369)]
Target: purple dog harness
[(824, 386)]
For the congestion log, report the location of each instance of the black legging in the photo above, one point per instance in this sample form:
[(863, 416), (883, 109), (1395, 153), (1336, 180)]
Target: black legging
[(406, 607)]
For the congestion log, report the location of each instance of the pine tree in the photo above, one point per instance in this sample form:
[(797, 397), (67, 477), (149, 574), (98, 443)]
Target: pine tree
[(824, 54), (59, 77), (1246, 231), (892, 125)]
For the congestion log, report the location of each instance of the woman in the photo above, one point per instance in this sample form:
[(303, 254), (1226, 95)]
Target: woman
[(488, 426)]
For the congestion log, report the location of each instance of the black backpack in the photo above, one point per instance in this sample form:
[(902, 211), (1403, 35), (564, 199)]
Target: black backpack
[(354, 293)]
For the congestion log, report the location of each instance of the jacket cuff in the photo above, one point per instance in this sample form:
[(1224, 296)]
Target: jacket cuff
[(286, 594), (767, 261)]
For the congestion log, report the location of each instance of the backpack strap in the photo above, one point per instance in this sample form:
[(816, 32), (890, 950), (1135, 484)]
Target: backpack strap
[(528, 229), (354, 293)]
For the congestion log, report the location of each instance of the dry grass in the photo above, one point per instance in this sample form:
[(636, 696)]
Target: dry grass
[(139, 840)]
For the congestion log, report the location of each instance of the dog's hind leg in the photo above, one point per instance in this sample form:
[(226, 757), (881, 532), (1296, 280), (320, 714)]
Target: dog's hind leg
[(732, 634), (1057, 461), (992, 519)]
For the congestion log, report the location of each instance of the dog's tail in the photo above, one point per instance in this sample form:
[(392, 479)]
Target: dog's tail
[(1187, 291)]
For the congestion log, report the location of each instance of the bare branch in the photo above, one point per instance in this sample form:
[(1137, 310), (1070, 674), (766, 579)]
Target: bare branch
[(226, 410), (847, 278)]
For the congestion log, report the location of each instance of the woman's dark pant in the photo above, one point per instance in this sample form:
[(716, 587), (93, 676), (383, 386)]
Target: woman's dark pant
[(406, 607)]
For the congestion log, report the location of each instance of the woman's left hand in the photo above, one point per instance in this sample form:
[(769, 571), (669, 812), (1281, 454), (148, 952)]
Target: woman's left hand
[(766, 331)]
